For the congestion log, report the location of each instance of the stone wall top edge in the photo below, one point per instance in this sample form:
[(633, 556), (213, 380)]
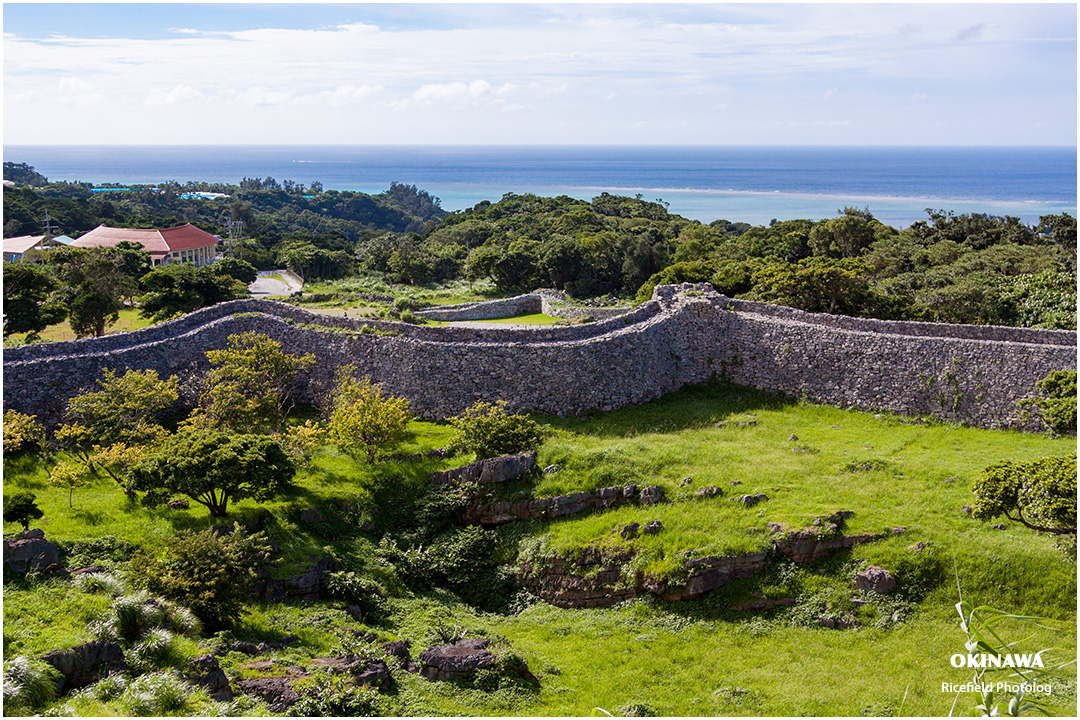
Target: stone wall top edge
[(907, 328)]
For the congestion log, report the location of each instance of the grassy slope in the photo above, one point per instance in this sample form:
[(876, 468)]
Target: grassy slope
[(686, 658)]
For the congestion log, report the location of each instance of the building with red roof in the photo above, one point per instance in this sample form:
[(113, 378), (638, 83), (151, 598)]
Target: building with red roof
[(185, 243)]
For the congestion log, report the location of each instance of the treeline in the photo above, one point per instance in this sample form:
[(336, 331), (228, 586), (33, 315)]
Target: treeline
[(969, 268), (312, 231)]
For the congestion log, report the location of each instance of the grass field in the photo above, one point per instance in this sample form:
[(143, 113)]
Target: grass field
[(692, 658), (129, 320)]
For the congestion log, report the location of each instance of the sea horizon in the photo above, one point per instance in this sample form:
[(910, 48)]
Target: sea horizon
[(747, 183)]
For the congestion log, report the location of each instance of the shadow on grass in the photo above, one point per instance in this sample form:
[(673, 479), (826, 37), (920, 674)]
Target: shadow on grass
[(700, 405)]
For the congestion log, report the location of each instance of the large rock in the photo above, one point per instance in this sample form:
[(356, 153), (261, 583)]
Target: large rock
[(85, 664), (277, 692), (30, 551), (365, 672), (206, 672), (451, 662), (486, 472), (875, 579)]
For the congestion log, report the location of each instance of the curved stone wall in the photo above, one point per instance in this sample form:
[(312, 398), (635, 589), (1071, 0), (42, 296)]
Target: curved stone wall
[(685, 334)]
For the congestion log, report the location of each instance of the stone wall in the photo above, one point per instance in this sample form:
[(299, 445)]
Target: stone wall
[(548, 302), (685, 334)]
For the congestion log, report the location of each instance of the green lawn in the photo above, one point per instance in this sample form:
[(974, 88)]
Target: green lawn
[(129, 320), (694, 658)]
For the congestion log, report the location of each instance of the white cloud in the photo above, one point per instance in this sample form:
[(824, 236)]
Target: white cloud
[(260, 96), (562, 61), (179, 95)]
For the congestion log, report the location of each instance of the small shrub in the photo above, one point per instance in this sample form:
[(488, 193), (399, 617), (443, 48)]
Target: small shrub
[(22, 508), (157, 650), (208, 572), (103, 583), (108, 688), (353, 588), (107, 550), (336, 696), (1040, 495), (465, 562), (157, 693), (1057, 407), (636, 709), (362, 420), (23, 434), (28, 684), (489, 430)]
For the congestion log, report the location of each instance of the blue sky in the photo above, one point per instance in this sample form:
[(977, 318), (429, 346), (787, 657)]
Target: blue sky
[(705, 74)]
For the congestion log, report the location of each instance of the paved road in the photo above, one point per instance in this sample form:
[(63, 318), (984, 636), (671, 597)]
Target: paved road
[(275, 282)]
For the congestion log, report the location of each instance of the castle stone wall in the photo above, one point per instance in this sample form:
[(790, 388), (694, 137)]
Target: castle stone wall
[(685, 334)]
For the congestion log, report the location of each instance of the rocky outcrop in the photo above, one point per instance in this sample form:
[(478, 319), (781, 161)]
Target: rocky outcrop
[(205, 672), (28, 551), (86, 664), (365, 672), (277, 692), (560, 505), (463, 658), (597, 580), (489, 471), (308, 584), (875, 579)]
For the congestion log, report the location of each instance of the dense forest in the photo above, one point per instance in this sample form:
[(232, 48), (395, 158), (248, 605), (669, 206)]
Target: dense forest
[(967, 268)]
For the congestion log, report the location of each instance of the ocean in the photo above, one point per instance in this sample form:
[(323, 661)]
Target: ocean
[(748, 184)]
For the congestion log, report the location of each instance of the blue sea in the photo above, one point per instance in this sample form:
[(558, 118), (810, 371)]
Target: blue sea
[(748, 184)]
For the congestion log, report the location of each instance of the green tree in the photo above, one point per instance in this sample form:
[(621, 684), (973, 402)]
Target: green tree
[(96, 284), (22, 507), (210, 573), (23, 434), (361, 419), (68, 476), (213, 468), (181, 288), (251, 383), (30, 304), (241, 270), (126, 408), (489, 430), (1040, 495)]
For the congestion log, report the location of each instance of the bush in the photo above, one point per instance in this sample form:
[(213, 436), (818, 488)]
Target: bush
[(336, 696), (107, 550), (103, 583), (23, 434), (158, 693), (22, 508), (465, 562), (210, 573), (28, 685), (157, 650), (489, 431), (134, 618), (1040, 495), (1057, 409)]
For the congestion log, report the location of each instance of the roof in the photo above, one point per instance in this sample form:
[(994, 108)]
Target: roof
[(157, 242), (22, 243)]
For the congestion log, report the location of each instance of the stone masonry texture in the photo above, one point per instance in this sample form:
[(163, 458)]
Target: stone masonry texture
[(684, 334)]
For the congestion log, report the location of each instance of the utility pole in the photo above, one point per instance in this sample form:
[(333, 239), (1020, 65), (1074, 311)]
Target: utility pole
[(49, 227), (236, 233)]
